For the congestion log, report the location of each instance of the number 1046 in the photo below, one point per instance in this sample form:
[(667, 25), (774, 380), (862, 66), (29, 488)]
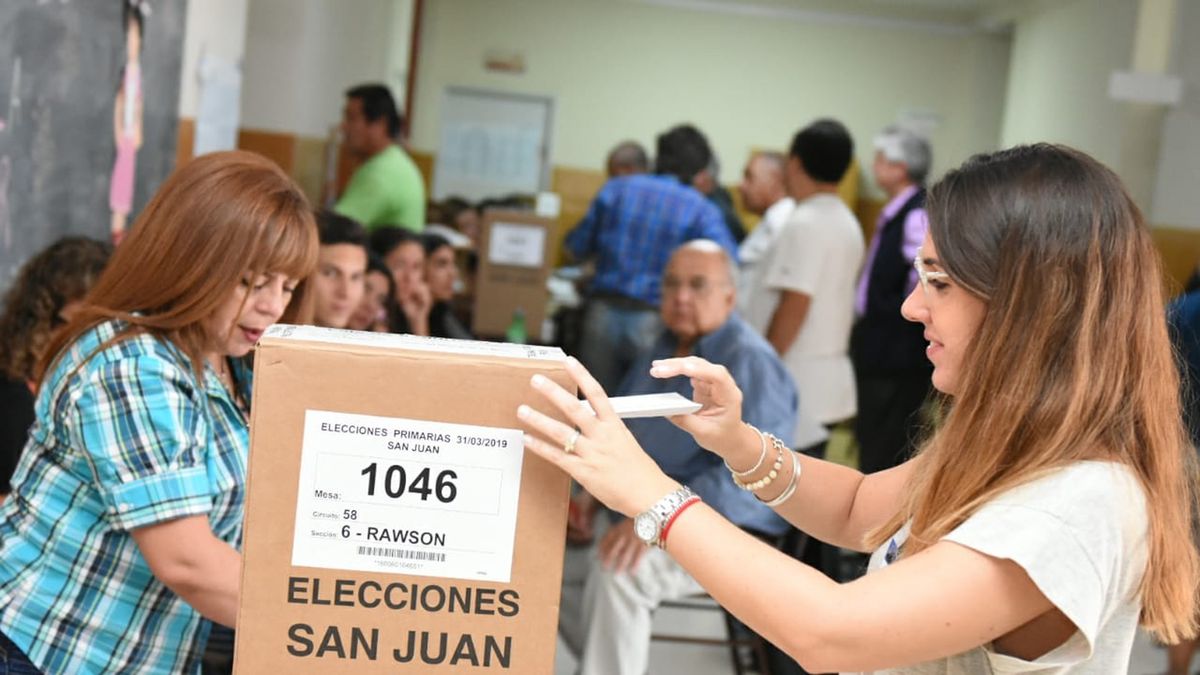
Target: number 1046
[(394, 481)]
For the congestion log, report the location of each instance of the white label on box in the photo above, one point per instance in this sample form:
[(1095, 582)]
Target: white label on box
[(517, 244), (403, 496)]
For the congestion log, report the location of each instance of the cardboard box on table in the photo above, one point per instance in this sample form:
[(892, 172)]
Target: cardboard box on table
[(354, 566), (515, 258)]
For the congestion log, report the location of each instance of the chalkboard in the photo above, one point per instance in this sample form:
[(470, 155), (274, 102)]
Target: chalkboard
[(60, 71)]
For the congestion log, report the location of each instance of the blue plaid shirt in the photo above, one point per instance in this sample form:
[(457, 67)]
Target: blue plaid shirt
[(634, 225), (124, 438)]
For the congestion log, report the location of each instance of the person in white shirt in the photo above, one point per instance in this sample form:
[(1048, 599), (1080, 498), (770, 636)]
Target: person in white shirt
[(803, 296), (1050, 514), (764, 193)]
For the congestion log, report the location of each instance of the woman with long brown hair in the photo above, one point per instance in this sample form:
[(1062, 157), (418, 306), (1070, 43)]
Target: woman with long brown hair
[(120, 535), (1045, 519)]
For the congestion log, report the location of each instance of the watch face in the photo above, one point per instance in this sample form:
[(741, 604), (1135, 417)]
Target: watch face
[(646, 527)]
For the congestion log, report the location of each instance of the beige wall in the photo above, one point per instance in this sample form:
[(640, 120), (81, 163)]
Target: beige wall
[(301, 55), (216, 28), (1062, 56), (620, 69), (1177, 193)]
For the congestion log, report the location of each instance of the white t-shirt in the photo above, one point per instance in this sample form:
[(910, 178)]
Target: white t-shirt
[(818, 253), (1080, 534), (757, 246)]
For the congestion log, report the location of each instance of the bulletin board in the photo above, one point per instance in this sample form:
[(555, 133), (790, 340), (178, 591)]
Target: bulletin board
[(492, 144)]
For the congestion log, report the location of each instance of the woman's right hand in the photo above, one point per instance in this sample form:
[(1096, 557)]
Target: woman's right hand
[(416, 305), (418, 301), (717, 426)]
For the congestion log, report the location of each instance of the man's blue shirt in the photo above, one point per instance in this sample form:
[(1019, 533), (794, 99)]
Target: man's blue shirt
[(634, 225), (1184, 318), (770, 402)]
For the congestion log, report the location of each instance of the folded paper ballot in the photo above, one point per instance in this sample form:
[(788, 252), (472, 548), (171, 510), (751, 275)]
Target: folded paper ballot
[(651, 405)]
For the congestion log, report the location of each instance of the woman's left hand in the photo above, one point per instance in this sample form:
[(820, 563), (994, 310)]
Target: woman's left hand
[(602, 455)]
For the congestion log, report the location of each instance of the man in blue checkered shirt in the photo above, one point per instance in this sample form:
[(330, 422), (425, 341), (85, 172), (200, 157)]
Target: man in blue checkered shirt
[(631, 229)]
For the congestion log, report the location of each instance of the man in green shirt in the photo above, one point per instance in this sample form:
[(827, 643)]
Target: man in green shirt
[(387, 188)]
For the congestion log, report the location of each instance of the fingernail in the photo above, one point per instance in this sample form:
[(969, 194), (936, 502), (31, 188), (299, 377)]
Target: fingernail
[(572, 359), (538, 380), (522, 411), (527, 438)]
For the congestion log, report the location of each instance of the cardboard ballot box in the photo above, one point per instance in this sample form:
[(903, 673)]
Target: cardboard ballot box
[(515, 258), (394, 522)]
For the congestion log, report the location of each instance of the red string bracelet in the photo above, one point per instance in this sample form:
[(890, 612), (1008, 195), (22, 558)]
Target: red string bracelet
[(667, 528)]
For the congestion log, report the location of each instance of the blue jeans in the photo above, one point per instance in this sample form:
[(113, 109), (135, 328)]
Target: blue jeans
[(614, 334), (13, 661)]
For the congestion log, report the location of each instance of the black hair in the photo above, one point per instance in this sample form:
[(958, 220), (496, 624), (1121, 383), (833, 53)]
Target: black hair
[(453, 206), (377, 104), (132, 11), (514, 200), (629, 155), (375, 264), (433, 242), (384, 240), (396, 322), (824, 148), (682, 152), (45, 284), (334, 228)]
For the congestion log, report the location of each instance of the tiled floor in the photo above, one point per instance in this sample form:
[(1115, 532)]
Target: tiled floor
[(668, 659)]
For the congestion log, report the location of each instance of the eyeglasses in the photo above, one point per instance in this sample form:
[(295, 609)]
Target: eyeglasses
[(699, 286), (925, 275)]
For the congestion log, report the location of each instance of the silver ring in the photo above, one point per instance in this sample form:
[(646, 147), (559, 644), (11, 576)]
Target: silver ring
[(569, 447)]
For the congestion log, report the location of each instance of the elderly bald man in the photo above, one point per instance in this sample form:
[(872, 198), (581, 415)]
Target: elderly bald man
[(611, 590)]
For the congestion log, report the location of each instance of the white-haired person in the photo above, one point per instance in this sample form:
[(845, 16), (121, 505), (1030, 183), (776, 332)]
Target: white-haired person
[(888, 351)]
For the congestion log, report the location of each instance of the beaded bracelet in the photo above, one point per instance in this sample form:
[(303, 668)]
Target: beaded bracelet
[(772, 474), (791, 487), (757, 465)]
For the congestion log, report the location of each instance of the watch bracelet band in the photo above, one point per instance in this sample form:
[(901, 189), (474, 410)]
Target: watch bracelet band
[(664, 508), (666, 528)]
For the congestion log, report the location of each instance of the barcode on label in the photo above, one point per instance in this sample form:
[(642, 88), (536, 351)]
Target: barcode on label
[(402, 553)]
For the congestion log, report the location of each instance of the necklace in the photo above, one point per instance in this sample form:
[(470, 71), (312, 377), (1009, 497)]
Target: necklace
[(226, 379)]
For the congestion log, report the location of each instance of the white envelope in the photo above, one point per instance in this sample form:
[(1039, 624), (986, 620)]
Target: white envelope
[(651, 405)]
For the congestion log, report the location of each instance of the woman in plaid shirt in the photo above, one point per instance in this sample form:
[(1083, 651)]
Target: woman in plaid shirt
[(120, 538)]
